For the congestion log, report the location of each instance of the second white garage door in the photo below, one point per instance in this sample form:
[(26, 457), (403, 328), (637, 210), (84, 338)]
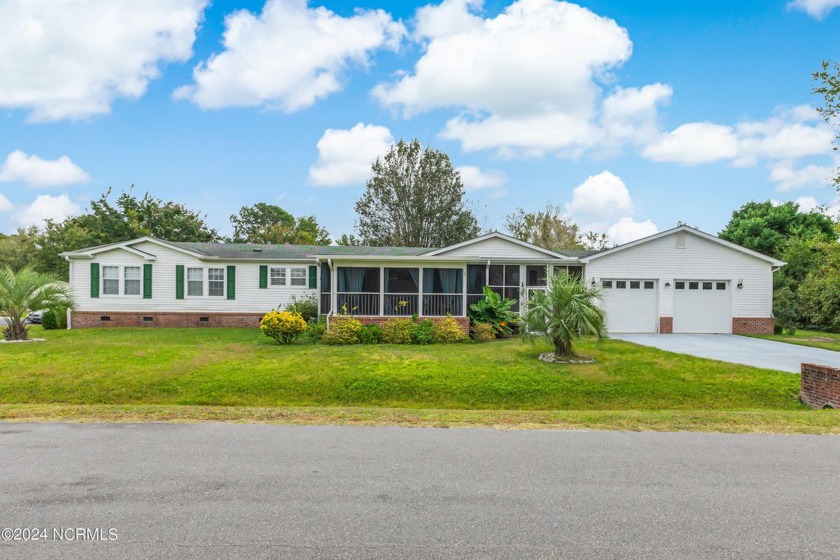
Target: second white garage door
[(630, 305), (702, 306)]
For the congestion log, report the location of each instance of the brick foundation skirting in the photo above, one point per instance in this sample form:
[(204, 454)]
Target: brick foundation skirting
[(666, 325), (819, 386), (463, 322), (752, 325), (89, 319)]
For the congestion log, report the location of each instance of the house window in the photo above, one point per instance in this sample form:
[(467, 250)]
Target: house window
[(132, 280), (620, 284), (195, 281), (635, 284), (720, 286), (216, 281), (110, 280), (648, 285), (298, 277), (606, 284), (693, 285), (679, 285), (278, 276), (707, 285)]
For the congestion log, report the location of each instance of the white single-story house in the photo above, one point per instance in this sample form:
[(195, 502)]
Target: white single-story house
[(680, 280)]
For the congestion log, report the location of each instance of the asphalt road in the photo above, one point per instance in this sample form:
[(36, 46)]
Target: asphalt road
[(248, 491)]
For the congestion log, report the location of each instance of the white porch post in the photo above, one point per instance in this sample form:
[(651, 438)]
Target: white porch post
[(381, 290), (334, 291), (420, 292), (464, 290)]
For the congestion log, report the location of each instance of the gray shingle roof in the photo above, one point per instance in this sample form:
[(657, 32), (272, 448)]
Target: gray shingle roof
[(286, 251)]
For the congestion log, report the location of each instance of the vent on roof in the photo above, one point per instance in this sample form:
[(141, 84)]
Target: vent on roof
[(679, 240)]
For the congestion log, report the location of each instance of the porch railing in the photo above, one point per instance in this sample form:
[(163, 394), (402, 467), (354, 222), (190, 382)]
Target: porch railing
[(357, 303), (473, 298), (443, 304), (401, 304), (326, 303)]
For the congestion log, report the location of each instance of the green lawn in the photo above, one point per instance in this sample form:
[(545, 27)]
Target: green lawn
[(238, 374), (816, 339)]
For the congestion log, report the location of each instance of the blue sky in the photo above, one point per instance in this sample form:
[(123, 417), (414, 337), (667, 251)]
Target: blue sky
[(631, 115)]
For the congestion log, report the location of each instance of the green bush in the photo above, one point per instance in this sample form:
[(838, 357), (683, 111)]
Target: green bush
[(54, 319), (282, 326), (483, 332), (397, 331), (423, 332), (370, 334), (495, 310), (448, 331), (307, 307), (317, 328), (777, 328), (342, 331)]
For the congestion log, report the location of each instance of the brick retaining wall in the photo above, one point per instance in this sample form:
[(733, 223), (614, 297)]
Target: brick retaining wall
[(88, 319), (819, 386), (463, 322), (753, 325)]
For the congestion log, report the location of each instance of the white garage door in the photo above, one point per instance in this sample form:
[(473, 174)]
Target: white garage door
[(702, 306), (630, 305)]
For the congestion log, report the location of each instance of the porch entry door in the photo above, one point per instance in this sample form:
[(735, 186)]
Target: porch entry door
[(505, 280)]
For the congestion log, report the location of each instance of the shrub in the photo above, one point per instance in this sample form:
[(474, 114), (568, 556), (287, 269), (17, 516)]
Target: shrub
[(448, 331), (342, 331), (495, 310), (483, 332), (307, 307), (424, 332), (317, 328), (777, 328), (397, 331), (54, 319), (370, 334), (282, 326)]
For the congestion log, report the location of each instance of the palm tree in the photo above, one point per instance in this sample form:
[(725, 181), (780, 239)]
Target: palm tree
[(567, 309), (25, 291)]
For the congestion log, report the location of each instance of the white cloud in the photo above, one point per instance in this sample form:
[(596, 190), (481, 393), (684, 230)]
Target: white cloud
[(599, 200), (807, 203), (817, 9), (627, 229), (787, 177), (475, 179), (694, 143), (526, 82), (47, 207), (345, 156), (630, 114), (72, 59), (37, 172), (5, 203), (288, 57)]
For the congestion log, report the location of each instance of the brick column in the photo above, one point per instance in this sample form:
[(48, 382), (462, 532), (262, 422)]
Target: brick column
[(820, 386)]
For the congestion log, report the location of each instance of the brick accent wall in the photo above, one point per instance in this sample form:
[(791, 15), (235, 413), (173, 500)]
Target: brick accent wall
[(88, 319), (463, 322), (752, 325), (666, 325), (819, 386)]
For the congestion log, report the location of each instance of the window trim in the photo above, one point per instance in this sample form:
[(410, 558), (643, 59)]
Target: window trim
[(223, 281), (284, 277), (187, 282), (304, 278), (120, 280), (139, 280)]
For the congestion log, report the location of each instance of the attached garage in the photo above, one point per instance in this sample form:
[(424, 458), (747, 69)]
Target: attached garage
[(631, 305), (702, 306)]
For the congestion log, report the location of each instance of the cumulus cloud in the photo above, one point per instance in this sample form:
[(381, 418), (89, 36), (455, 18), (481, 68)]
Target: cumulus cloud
[(627, 229), (72, 59), (807, 203), (526, 82), (345, 156), (694, 143), (5, 203), (288, 56), (602, 203), (817, 9), (37, 172), (47, 207), (631, 114), (787, 177), (477, 179)]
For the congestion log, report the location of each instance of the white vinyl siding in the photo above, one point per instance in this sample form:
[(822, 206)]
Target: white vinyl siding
[(700, 260), (496, 248), (132, 280)]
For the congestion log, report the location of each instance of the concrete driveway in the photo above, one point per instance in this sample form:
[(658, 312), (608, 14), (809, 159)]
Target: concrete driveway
[(737, 349)]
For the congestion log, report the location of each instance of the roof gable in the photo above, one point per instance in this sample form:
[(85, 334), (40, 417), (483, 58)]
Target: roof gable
[(522, 248), (692, 231)]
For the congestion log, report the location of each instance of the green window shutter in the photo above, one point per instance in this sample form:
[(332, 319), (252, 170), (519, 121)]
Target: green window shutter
[(231, 282), (263, 276), (313, 277), (147, 281), (94, 280), (179, 281)]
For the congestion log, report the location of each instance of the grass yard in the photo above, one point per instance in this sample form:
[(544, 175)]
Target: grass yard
[(238, 375), (815, 339)]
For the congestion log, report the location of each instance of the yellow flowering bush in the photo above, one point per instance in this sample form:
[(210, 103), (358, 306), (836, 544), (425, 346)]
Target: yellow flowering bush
[(283, 326), (448, 331)]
